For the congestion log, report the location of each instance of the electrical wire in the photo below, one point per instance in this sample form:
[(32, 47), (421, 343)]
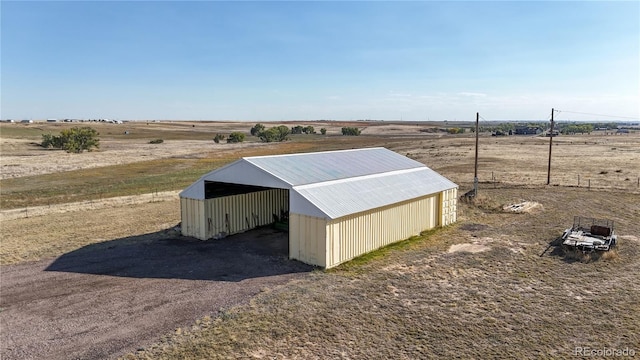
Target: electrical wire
[(520, 120), (613, 116)]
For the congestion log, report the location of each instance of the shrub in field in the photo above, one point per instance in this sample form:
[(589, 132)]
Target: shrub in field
[(74, 140), (350, 131), (275, 134), (217, 138), (51, 141), (302, 130), (323, 131), (156, 141), (257, 129), (235, 137)]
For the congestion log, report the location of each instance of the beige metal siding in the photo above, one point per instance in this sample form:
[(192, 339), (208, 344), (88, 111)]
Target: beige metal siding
[(237, 213), (307, 239), (354, 235), (449, 206), (193, 217)]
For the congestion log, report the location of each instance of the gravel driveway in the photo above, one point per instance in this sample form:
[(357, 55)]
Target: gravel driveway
[(107, 299)]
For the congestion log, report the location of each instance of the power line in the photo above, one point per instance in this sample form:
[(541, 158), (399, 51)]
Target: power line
[(518, 120), (614, 116)]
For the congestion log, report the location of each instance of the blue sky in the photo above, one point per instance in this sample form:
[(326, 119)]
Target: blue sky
[(271, 60)]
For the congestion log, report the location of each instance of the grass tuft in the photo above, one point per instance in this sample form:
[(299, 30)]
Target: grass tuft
[(586, 257), (482, 202)]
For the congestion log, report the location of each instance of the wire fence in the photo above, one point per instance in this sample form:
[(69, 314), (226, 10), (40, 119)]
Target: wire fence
[(486, 178), (100, 203), (603, 181)]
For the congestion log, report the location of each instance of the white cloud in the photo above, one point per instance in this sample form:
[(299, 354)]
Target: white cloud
[(472, 94)]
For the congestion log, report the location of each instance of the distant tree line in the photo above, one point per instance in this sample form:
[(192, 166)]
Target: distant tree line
[(576, 128), (281, 133)]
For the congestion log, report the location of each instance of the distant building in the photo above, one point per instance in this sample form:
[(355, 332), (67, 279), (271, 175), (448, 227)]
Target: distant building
[(26, 121), (528, 130), (52, 120)]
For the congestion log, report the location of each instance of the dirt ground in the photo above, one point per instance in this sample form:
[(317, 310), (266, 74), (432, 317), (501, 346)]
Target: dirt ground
[(106, 299)]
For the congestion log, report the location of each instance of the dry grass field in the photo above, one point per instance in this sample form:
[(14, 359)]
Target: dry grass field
[(477, 289), (424, 299)]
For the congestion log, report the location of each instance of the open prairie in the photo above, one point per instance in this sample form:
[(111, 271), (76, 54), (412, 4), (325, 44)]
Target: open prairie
[(482, 288)]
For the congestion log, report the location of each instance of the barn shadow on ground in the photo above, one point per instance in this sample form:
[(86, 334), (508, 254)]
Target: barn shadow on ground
[(166, 255)]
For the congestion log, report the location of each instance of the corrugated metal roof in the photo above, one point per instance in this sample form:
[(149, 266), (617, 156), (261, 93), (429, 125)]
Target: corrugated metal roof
[(339, 198), (309, 168), (333, 184)]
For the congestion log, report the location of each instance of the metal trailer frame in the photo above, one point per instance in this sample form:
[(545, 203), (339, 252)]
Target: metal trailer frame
[(590, 234)]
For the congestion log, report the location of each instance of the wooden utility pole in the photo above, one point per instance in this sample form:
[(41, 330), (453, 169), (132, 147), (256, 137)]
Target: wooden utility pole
[(475, 172), (550, 145)]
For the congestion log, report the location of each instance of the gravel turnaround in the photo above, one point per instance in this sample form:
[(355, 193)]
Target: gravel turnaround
[(107, 299)]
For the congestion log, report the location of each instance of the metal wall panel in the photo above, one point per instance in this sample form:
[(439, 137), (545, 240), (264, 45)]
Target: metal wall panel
[(192, 218), (449, 206), (307, 239), (238, 213), (354, 235)]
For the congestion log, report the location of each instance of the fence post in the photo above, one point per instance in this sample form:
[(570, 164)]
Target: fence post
[(26, 212), (578, 180), (589, 186)]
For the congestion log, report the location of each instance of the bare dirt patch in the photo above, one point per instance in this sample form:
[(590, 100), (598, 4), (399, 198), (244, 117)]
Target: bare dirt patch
[(466, 247), (106, 299), (629, 238)]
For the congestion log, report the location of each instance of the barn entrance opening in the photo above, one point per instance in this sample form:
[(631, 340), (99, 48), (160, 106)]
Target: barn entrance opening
[(260, 214)]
